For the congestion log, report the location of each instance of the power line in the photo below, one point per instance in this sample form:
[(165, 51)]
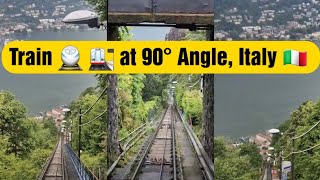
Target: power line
[(74, 112), (93, 119), (302, 151), (104, 90), (310, 148), (195, 83), (284, 157), (297, 137)]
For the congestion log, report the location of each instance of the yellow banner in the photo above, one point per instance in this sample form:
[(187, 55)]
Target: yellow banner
[(183, 57)]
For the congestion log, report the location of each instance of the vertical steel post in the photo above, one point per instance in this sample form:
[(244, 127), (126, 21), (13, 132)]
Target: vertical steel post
[(269, 170), (280, 164), (292, 155)]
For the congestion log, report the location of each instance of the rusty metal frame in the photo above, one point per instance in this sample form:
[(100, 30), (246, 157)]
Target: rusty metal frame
[(149, 17)]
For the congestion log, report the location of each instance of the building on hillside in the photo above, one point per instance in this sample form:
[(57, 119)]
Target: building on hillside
[(57, 115), (263, 142)]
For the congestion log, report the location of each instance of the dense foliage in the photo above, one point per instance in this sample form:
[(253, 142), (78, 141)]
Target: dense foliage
[(25, 143), (241, 163), (301, 120), (136, 106), (189, 99)]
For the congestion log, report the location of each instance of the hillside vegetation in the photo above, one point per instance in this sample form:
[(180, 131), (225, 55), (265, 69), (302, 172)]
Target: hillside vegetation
[(241, 163), (25, 143), (306, 117)]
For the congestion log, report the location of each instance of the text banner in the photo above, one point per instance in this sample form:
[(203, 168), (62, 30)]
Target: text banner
[(183, 57)]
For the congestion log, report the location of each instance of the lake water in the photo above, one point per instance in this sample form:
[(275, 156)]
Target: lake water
[(244, 104), (247, 104)]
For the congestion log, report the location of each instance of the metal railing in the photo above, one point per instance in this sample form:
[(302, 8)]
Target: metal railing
[(131, 139), (65, 172), (63, 163), (83, 172)]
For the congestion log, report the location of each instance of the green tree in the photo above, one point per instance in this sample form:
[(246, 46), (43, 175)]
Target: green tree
[(25, 143), (192, 105), (195, 36), (13, 124), (93, 132), (48, 123), (238, 163), (12, 112), (302, 119), (18, 141), (220, 148), (252, 151), (154, 84)]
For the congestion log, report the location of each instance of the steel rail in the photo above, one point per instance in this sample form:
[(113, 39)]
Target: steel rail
[(148, 147), (141, 160), (164, 152), (173, 135), (161, 114)]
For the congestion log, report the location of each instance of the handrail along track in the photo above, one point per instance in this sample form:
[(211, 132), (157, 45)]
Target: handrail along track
[(130, 140), (83, 172)]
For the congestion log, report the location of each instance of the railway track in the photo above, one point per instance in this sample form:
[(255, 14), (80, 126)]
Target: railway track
[(157, 157), (157, 160), (55, 167)]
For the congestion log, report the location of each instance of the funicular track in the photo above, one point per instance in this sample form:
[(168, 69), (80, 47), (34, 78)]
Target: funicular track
[(157, 159), (160, 156), (54, 169)]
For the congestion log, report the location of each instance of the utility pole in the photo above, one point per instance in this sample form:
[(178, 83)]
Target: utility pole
[(280, 159), (79, 134), (70, 135), (269, 170), (292, 154)]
